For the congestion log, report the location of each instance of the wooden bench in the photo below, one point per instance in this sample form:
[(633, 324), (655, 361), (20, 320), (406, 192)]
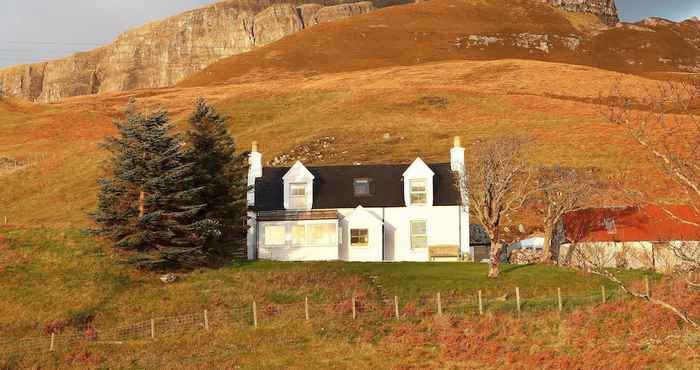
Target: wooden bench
[(438, 252)]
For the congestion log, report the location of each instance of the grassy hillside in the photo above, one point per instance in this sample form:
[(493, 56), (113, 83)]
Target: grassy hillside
[(382, 115), (67, 280), (441, 30)]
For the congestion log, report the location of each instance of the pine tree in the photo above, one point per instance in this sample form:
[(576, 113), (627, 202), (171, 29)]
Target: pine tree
[(149, 204), (221, 172)]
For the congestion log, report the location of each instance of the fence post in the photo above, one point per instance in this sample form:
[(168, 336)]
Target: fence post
[(206, 321), (396, 307), (648, 287), (306, 308), (481, 306), (255, 315), (53, 339), (602, 291), (439, 304), (517, 299), (354, 310), (153, 328), (561, 305)]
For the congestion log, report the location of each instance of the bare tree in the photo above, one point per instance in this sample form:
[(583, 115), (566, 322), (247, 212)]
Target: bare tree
[(560, 191), (496, 186), (664, 122)]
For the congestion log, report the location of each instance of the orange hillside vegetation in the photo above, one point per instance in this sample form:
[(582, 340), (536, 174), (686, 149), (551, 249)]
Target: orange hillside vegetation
[(383, 115), (442, 30)]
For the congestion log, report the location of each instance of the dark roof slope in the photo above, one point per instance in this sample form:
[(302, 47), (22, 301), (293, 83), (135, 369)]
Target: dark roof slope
[(333, 187)]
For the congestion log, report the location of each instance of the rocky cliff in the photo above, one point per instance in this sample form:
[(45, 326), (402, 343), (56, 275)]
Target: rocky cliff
[(164, 52), (606, 10)]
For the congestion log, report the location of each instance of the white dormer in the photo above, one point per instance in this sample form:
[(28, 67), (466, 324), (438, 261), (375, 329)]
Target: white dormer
[(418, 184), (298, 188)]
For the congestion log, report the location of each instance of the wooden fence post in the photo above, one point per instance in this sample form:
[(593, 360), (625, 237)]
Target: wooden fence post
[(602, 292), (561, 305), (481, 305), (255, 315), (439, 304), (306, 308), (153, 328), (648, 287), (354, 310), (53, 339), (206, 321), (517, 299), (396, 307)]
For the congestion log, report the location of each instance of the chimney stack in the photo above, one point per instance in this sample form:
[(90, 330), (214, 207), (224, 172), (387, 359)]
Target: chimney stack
[(254, 171), (457, 156)]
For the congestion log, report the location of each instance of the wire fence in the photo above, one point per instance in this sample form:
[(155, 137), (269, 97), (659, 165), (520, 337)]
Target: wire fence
[(257, 314)]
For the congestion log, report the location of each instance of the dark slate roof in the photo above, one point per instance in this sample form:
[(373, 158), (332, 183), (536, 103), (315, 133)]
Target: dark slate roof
[(333, 186)]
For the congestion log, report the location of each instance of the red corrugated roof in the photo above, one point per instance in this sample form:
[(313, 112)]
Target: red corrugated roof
[(629, 224)]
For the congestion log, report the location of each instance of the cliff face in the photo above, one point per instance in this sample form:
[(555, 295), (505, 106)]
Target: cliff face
[(163, 53), (606, 10)]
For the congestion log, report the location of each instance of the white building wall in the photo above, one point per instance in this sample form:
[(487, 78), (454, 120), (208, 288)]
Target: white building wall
[(446, 225), (371, 221), (443, 228), (632, 255)]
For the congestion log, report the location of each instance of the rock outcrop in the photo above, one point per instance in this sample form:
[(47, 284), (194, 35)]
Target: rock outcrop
[(165, 52), (606, 10)]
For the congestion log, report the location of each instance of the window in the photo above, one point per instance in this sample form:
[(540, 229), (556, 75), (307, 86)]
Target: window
[(321, 234), (297, 195), (275, 235), (609, 224), (419, 234), (359, 237), (361, 187), (419, 194), (298, 234)]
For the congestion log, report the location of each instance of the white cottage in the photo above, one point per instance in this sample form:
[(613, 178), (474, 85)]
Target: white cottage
[(357, 213)]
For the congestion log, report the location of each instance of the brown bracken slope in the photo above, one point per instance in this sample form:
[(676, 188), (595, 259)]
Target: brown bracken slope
[(441, 30)]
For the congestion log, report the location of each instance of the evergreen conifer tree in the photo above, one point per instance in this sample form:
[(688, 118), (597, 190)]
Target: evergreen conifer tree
[(150, 204), (222, 174)]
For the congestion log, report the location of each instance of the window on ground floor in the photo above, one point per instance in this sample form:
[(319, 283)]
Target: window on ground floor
[(321, 234), (298, 234), (419, 234), (275, 235), (359, 237)]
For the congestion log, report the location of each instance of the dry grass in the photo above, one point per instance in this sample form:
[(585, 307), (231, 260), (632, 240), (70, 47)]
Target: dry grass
[(420, 107)]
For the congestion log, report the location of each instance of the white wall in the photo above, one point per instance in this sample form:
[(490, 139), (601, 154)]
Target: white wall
[(632, 255), (371, 219), (443, 227)]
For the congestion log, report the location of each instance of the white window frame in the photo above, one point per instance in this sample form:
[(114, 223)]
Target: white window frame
[(359, 245), (293, 197), (424, 192), (414, 236)]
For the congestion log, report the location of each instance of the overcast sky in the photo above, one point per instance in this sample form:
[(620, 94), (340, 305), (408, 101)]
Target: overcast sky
[(36, 30)]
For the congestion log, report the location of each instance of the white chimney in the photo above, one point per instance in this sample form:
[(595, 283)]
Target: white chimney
[(457, 156), (254, 172)]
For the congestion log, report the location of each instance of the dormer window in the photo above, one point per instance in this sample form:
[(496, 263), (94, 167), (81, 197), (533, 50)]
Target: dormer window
[(297, 195), (419, 192), (361, 187)]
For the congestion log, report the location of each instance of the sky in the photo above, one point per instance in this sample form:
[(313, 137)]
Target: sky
[(37, 30)]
